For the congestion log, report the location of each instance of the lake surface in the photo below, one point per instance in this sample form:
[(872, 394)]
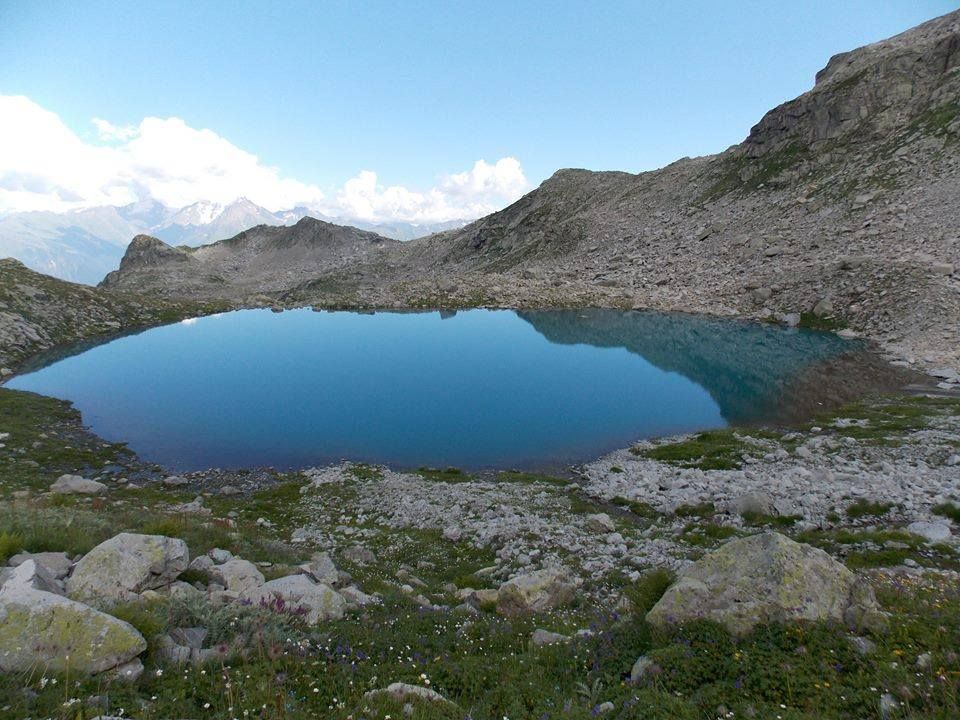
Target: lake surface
[(472, 389)]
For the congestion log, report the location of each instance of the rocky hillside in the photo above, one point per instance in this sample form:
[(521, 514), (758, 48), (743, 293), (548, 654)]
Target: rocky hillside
[(264, 259), (846, 195), (38, 312)]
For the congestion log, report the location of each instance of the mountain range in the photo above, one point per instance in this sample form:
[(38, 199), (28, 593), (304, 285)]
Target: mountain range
[(84, 245)]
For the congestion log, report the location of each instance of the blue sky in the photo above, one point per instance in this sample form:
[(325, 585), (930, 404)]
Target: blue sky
[(416, 91)]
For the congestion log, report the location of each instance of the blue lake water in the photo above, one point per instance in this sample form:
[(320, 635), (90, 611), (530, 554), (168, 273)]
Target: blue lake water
[(472, 389)]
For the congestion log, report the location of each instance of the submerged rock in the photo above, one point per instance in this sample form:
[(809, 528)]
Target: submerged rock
[(766, 578), (124, 566)]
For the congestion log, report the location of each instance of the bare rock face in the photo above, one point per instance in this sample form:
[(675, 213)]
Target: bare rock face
[(126, 565), (45, 630), (871, 89), (767, 578), (537, 591)]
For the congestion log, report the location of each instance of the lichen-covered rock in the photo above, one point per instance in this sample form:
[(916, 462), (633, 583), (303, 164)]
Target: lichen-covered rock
[(124, 566), (237, 575), (536, 592), (766, 578), (40, 629), (319, 601)]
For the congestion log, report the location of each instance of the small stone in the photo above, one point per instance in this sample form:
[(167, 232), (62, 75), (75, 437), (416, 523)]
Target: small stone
[(545, 637)]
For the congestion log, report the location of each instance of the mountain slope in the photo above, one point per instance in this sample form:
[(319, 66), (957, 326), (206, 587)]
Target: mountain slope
[(38, 312), (845, 194), (261, 260)]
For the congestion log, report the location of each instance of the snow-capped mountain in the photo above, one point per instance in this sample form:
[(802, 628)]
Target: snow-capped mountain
[(84, 245)]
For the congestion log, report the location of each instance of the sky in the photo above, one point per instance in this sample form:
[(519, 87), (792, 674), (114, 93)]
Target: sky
[(414, 111)]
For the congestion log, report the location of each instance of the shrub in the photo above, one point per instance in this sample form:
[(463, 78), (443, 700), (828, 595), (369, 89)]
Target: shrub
[(646, 591), (864, 508)]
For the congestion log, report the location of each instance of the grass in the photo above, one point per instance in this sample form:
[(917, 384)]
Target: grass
[(637, 507), (275, 667), (951, 511), (812, 321), (712, 450), (447, 475), (865, 508)]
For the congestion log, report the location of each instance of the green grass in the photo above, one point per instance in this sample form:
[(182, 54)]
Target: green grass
[(755, 519), (948, 510), (712, 450), (707, 535), (277, 668), (811, 321), (865, 508), (447, 475), (530, 478), (637, 507)]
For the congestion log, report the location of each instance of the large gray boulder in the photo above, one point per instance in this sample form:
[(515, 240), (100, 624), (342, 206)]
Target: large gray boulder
[(40, 629), (126, 565), (319, 601), (537, 591), (237, 575), (767, 578), (76, 485)]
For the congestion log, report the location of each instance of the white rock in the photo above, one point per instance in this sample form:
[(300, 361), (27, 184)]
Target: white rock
[(76, 485)]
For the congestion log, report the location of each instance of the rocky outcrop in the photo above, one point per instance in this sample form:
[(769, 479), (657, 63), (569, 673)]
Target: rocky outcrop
[(38, 312), (869, 91), (766, 578), (43, 630), (262, 260), (126, 565), (536, 592)]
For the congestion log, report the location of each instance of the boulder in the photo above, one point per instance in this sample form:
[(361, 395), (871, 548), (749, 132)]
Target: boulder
[(823, 308), (57, 564), (40, 629), (127, 564), (320, 601), (33, 575), (766, 578), (600, 523), (403, 691), (537, 591), (759, 503), (237, 575), (932, 532), (322, 569), (76, 485), (542, 637)]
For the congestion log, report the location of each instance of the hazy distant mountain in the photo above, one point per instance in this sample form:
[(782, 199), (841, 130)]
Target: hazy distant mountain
[(84, 245)]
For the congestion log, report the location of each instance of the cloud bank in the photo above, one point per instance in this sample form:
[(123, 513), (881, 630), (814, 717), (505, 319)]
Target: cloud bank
[(44, 165)]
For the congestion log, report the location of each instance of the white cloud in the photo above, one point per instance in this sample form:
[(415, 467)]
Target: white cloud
[(44, 165)]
